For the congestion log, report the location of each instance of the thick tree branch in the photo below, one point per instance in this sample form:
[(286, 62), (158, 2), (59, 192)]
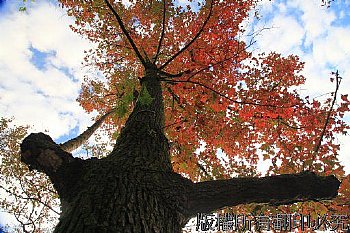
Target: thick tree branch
[(162, 34), (76, 142), (275, 190), (193, 40), (126, 33), (41, 153)]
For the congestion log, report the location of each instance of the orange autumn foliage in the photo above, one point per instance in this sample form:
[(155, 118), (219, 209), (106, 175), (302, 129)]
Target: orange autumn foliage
[(220, 96)]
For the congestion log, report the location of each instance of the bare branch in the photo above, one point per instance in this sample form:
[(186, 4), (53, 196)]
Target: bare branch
[(193, 40), (29, 198), (126, 33), (161, 35), (200, 166), (337, 80), (76, 142)]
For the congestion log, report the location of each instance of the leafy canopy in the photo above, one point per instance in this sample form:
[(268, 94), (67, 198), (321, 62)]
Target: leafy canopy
[(219, 93)]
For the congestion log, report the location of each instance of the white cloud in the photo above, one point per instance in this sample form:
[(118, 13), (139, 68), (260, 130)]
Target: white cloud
[(329, 53), (45, 99), (42, 98), (335, 47), (265, 7), (8, 218), (344, 154), (285, 36), (54, 34), (315, 17)]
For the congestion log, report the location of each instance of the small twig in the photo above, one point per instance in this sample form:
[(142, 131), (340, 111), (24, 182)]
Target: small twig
[(175, 123), (168, 75), (222, 61), (257, 33), (288, 125), (224, 96), (29, 198), (175, 97)]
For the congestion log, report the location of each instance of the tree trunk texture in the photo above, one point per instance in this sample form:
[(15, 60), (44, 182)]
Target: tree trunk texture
[(134, 189)]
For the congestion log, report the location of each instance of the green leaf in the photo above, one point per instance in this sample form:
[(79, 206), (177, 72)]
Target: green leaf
[(128, 97), (122, 109), (145, 98), (115, 135)]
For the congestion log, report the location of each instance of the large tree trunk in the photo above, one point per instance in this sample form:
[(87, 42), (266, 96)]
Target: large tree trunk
[(129, 191), (134, 189)]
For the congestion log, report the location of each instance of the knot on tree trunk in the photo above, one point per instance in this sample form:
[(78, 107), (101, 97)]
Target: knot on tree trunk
[(41, 153)]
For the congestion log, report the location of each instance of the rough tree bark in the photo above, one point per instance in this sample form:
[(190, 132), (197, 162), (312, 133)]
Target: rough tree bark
[(134, 189)]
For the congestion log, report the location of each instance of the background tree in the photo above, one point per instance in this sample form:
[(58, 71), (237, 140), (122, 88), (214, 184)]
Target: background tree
[(28, 195), (214, 90)]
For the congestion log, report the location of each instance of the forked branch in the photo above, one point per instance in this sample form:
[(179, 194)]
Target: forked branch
[(126, 33), (193, 40), (210, 66)]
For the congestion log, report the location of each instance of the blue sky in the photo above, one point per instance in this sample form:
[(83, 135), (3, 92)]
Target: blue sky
[(41, 71)]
